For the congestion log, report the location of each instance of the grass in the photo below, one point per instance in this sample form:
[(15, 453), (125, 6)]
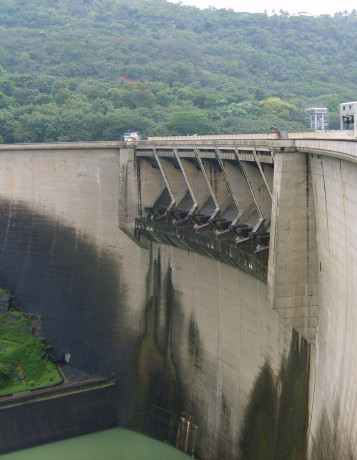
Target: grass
[(22, 357)]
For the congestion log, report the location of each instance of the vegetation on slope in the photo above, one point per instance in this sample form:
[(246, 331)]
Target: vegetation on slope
[(91, 69), (22, 363)]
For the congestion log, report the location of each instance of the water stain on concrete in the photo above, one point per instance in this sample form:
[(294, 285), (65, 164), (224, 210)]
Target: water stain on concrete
[(332, 441), (276, 419), (257, 437), (225, 445), (194, 344), (157, 400)]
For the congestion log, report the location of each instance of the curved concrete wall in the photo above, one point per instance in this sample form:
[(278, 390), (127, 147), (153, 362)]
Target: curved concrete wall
[(334, 423), (202, 360)]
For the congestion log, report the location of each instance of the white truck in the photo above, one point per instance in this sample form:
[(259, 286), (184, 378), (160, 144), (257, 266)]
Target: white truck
[(134, 136)]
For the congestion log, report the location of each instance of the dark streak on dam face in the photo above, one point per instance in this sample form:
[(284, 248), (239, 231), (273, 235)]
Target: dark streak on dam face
[(276, 420), (156, 399)]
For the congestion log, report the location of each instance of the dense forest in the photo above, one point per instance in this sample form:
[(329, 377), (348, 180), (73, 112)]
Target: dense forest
[(74, 70)]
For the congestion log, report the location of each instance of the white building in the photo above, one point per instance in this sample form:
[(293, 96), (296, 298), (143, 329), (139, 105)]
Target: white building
[(348, 114)]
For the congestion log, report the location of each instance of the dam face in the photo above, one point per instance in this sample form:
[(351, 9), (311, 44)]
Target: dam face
[(209, 357), (334, 408)]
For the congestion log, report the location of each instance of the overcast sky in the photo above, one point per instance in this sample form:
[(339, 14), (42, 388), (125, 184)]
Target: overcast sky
[(316, 7)]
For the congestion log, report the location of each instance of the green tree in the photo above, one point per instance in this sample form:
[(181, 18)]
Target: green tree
[(33, 127), (7, 125), (189, 122), (276, 107), (4, 101), (62, 96), (138, 96)]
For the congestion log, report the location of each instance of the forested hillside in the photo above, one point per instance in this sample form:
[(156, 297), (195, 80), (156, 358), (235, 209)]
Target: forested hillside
[(75, 70)]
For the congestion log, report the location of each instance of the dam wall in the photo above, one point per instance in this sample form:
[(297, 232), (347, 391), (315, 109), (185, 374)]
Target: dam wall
[(208, 357), (293, 256), (333, 409), (187, 336), (30, 419)]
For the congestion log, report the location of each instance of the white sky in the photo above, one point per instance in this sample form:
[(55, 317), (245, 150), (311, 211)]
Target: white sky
[(316, 7)]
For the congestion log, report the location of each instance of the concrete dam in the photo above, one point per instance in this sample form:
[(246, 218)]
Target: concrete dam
[(214, 276)]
